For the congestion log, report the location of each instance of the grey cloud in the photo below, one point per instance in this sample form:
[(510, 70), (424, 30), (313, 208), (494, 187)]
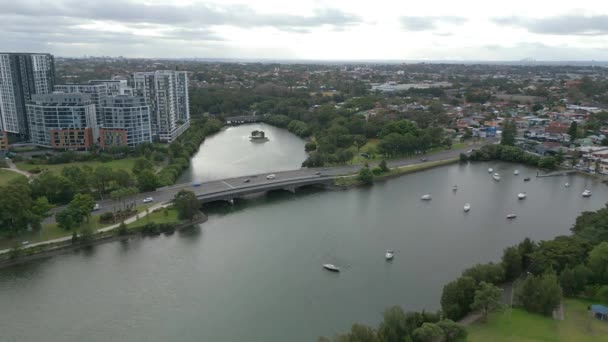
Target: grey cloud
[(560, 25), (417, 23)]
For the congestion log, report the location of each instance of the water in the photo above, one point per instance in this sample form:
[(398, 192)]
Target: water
[(231, 154), (253, 271)]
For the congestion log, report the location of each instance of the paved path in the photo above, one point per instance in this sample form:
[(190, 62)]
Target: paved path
[(100, 230), (13, 167)]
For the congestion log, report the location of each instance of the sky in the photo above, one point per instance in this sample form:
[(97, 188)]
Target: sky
[(478, 30)]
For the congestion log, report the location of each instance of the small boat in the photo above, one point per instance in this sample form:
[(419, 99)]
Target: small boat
[(455, 188), (490, 170), (527, 179), (389, 254), (331, 267), (586, 193), (426, 197), (516, 172), (467, 207), (496, 178), (567, 185), (521, 195), (511, 216), (496, 174)]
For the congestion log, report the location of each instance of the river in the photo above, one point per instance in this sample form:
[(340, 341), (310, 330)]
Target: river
[(253, 271)]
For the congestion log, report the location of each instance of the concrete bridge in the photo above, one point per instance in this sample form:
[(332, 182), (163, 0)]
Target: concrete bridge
[(238, 120), (290, 184)]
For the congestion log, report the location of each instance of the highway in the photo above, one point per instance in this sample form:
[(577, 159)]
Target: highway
[(261, 183)]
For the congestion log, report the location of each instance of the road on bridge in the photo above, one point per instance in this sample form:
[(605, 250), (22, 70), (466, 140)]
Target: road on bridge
[(166, 194)]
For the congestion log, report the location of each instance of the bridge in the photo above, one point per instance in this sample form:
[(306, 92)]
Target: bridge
[(238, 120)]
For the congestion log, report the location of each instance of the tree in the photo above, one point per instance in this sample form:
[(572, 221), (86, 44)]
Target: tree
[(453, 331), (360, 141), (457, 297), (547, 163), (539, 294), (142, 164), (147, 181), (65, 219), (490, 273), (81, 206), (509, 132), (512, 263), (573, 131), (186, 204), (101, 177), (428, 332), (366, 176), (123, 179), (394, 326), (598, 263), (487, 299), (573, 281), (383, 166), (40, 209), (358, 333)]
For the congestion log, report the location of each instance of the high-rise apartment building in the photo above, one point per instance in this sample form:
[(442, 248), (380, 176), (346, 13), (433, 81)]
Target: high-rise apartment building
[(21, 76), (166, 92), (114, 87), (125, 120), (95, 91), (62, 121)]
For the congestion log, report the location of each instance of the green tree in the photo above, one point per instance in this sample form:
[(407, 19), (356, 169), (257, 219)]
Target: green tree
[(453, 332), (82, 205), (65, 219), (547, 163), (360, 141), (142, 164), (573, 131), (16, 213), (123, 179), (383, 166), (40, 209), (509, 132), (539, 294), (428, 332), (574, 280), (598, 263), (101, 178), (366, 176), (487, 299), (394, 327), (457, 297), (186, 204), (490, 273), (147, 181), (358, 333), (512, 263)]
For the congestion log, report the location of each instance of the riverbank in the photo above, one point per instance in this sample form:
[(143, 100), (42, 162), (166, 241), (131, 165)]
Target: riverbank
[(135, 230), (353, 180)]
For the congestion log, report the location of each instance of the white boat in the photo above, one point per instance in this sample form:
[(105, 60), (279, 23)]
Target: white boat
[(490, 170), (389, 254), (331, 267), (586, 193), (521, 195), (567, 185), (497, 174), (496, 178), (516, 172), (511, 216), (426, 197), (467, 207)]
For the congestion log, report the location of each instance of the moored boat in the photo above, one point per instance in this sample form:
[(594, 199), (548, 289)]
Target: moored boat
[(516, 172), (496, 177), (389, 254), (467, 207), (527, 179), (331, 267), (522, 195), (511, 216), (426, 197), (490, 170), (567, 185), (586, 193)]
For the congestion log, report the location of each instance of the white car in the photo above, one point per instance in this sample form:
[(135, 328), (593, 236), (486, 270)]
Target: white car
[(96, 207), (271, 176), (148, 199)]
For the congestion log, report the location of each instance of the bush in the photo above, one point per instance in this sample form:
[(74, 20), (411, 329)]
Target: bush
[(107, 217), (539, 294), (150, 229), (366, 176), (377, 171)]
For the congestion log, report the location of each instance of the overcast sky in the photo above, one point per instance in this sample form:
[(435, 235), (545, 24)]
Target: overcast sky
[(316, 29)]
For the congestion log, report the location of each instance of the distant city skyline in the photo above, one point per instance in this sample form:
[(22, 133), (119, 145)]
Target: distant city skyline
[(318, 30)]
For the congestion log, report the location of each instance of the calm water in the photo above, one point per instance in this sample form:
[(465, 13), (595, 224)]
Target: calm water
[(253, 271), (231, 154)]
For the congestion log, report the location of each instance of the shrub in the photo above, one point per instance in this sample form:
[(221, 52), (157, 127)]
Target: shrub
[(377, 171), (107, 217)]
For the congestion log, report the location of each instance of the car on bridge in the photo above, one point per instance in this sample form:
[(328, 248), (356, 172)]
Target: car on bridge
[(246, 180), (196, 184), (148, 200), (271, 176)]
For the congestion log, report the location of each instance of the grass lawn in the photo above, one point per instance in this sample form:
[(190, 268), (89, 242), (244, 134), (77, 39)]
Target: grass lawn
[(124, 164), (8, 176), (372, 145), (156, 217), (519, 325)]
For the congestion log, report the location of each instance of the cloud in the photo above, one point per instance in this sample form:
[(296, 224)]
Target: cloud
[(418, 24), (576, 25)]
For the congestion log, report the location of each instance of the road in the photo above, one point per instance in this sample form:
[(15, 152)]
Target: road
[(166, 194)]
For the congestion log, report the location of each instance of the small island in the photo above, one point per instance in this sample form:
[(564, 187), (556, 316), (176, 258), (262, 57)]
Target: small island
[(258, 136)]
